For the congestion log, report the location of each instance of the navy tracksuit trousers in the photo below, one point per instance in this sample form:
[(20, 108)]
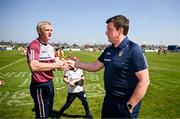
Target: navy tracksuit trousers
[(43, 96), (114, 107)]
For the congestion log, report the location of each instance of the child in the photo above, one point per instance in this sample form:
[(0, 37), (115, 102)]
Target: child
[(75, 79)]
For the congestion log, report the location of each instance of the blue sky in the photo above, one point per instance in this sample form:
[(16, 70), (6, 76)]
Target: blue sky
[(83, 21)]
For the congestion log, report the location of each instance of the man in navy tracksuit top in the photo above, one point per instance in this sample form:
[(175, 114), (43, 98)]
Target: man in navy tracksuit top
[(126, 75)]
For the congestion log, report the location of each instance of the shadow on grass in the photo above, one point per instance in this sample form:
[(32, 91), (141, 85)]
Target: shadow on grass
[(55, 114)]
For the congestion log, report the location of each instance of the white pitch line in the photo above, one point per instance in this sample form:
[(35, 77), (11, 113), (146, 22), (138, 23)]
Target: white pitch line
[(12, 63), (61, 88)]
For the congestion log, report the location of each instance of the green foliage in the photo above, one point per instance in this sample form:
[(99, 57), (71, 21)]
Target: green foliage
[(161, 100)]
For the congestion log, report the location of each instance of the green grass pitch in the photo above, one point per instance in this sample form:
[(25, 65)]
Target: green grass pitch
[(162, 99)]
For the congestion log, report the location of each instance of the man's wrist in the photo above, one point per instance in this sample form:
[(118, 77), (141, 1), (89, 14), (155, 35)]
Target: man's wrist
[(58, 65), (130, 106)]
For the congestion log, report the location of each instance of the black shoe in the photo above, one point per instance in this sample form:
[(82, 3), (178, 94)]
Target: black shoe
[(33, 109), (59, 114)]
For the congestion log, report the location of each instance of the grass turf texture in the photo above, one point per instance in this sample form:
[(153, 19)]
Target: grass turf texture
[(161, 101)]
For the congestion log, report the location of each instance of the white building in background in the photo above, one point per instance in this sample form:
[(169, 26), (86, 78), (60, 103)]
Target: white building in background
[(9, 48), (72, 49), (6, 45), (149, 50)]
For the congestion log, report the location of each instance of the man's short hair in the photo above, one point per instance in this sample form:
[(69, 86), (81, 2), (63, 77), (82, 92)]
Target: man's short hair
[(40, 24), (120, 21)]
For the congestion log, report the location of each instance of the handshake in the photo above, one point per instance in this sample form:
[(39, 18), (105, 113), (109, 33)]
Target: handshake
[(66, 64)]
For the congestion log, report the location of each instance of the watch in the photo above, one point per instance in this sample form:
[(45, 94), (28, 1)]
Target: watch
[(129, 105)]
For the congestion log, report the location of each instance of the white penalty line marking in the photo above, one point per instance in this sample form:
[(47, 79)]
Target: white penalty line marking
[(12, 63)]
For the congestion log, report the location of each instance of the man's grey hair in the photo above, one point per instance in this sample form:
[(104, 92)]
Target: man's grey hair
[(40, 24)]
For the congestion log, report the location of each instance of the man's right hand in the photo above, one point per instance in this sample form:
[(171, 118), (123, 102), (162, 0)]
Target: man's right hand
[(62, 65)]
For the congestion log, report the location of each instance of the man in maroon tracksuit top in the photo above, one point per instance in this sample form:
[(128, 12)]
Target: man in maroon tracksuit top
[(41, 61)]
